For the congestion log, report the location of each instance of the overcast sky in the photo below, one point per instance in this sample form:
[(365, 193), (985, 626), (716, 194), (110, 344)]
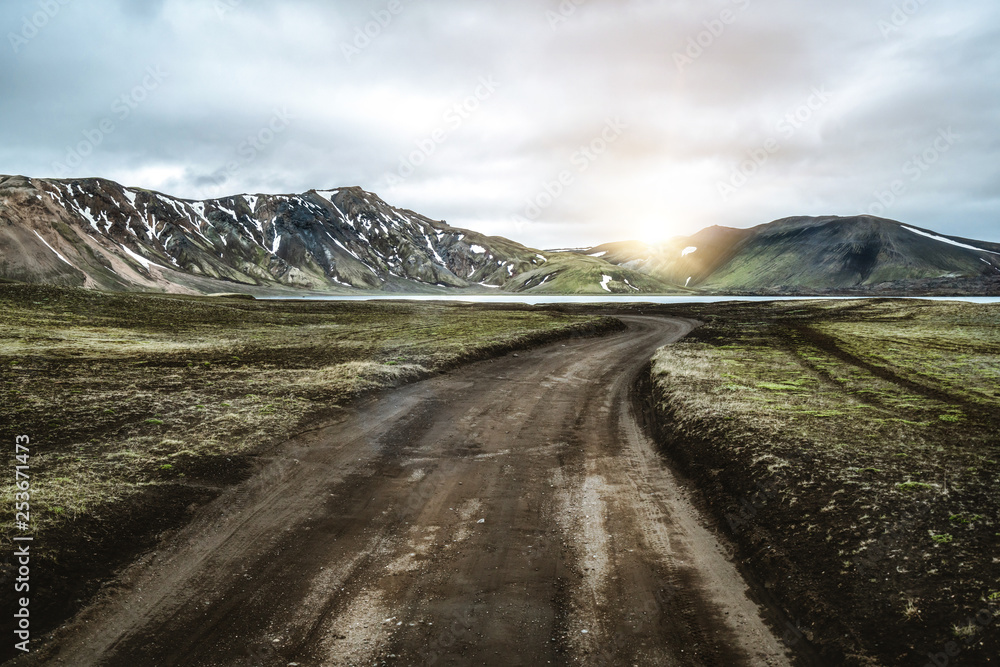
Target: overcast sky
[(554, 123)]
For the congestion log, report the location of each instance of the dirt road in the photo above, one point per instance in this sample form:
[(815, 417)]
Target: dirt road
[(510, 512)]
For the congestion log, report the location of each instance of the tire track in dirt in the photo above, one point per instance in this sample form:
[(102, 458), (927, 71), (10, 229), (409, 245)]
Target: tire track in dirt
[(830, 345), (487, 516)]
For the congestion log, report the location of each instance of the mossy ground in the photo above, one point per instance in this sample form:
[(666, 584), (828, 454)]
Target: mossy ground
[(851, 449), (140, 407)]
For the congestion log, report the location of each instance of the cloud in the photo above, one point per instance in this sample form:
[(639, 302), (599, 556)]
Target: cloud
[(371, 87)]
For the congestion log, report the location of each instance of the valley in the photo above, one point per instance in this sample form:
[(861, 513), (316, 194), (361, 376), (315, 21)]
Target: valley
[(535, 478), (145, 407), (572, 334), (508, 512)]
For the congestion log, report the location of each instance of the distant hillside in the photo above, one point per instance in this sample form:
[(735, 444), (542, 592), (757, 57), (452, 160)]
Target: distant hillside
[(814, 254), (100, 234)]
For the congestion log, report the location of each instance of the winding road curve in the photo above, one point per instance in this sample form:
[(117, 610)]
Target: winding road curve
[(510, 512)]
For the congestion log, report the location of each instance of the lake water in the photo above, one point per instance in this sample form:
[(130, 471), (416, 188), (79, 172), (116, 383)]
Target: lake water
[(542, 300)]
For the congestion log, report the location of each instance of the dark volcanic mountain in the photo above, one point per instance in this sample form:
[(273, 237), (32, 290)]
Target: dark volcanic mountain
[(813, 254), (99, 234)]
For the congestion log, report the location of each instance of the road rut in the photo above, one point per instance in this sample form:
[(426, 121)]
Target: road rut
[(510, 512)]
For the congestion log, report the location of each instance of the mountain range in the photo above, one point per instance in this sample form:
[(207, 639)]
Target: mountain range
[(99, 234), (817, 255)]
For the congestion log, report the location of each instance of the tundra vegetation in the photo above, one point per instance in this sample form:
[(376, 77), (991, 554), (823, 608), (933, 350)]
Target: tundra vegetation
[(851, 451), (140, 407)]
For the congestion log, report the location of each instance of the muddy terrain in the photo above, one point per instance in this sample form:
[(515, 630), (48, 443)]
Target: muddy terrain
[(850, 451), (142, 407), (511, 512), (803, 483)]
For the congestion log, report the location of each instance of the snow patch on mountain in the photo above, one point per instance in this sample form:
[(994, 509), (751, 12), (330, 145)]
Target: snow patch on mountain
[(52, 249), (943, 239), (139, 258), (131, 196)]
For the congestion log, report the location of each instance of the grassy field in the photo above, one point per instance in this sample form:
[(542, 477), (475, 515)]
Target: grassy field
[(851, 450), (141, 407)]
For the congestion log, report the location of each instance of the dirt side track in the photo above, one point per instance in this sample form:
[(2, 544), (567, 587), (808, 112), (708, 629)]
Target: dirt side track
[(510, 512)]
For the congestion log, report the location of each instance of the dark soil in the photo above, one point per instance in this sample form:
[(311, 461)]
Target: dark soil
[(50, 394), (861, 592)]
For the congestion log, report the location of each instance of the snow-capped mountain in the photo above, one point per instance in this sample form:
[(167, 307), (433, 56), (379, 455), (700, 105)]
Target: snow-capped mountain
[(100, 234)]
